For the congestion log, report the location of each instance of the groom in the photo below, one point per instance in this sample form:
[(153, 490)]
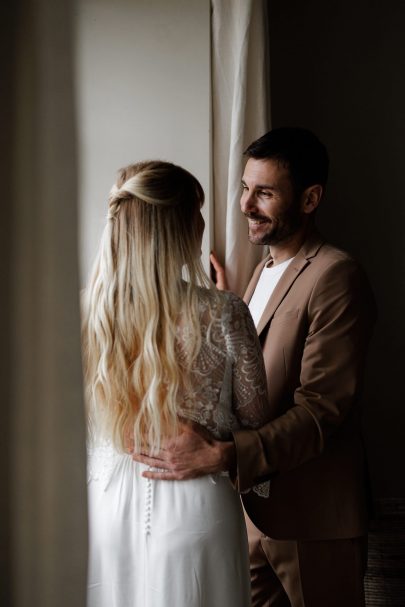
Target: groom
[(314, 314)]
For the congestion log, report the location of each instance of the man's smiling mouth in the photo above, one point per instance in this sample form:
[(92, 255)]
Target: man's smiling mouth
[(257, 221)]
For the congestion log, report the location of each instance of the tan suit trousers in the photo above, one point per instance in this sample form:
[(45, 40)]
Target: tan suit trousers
[(326, 573)]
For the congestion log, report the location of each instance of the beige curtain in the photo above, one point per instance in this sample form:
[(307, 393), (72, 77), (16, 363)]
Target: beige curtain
[(43, 504), (240, 113)]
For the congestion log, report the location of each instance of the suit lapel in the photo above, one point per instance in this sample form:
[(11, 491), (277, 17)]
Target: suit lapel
[(308, 250), (285, 283)]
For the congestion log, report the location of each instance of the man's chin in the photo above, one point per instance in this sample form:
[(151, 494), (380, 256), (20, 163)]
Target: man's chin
[(272, 238), (262, 233), (259, 240)]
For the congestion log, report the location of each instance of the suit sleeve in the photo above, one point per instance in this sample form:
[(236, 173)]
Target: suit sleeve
[(341, 313)]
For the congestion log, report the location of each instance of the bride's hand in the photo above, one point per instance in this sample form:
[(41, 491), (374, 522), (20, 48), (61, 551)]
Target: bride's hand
[(192, 453)]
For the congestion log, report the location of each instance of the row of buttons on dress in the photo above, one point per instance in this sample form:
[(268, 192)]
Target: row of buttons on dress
[(148, 506)]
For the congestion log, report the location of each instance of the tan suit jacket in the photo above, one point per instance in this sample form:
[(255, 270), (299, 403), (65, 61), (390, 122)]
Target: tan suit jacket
[(314, 332)]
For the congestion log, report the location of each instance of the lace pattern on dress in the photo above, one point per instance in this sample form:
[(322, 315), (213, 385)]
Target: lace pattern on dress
[(228, 377), (101, 461), (262, 490), (229, 380)]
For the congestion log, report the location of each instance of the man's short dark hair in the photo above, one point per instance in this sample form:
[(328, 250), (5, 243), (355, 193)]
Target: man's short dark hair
[(298, 150)]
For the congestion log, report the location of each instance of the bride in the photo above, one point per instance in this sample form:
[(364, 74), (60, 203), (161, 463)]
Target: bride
[(158, 345)]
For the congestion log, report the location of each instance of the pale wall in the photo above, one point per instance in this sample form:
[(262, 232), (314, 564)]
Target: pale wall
[(143, 76)]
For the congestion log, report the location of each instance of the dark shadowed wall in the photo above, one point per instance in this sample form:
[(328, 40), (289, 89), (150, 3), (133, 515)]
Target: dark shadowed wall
[(338, 68)]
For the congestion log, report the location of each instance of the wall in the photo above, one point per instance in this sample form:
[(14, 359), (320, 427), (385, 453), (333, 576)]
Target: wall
[(337, 68), (143, 75)]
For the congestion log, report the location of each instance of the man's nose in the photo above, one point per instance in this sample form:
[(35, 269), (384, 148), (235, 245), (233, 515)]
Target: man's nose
[(247, 202)]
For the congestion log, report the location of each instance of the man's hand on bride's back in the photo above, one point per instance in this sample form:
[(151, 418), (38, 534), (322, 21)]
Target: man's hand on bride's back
[(192, 453)]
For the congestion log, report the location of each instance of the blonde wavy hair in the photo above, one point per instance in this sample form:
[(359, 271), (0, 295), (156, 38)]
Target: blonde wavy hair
[(133, 301)]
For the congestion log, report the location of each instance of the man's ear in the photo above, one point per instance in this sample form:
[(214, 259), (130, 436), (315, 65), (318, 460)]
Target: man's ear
[(311, 198)]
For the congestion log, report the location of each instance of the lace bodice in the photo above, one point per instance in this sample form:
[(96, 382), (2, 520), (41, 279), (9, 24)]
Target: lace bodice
[(228, 384)]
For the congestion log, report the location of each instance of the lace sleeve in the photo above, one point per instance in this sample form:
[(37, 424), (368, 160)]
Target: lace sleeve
[(249, 390)]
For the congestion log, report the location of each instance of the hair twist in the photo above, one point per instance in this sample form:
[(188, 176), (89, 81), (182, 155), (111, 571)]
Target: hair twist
[(117, 195)]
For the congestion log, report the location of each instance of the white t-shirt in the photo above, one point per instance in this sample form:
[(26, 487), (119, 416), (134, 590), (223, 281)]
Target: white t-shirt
[(265, 287)]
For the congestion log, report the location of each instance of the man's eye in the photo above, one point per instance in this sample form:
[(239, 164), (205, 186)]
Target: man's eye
[(265, 193)]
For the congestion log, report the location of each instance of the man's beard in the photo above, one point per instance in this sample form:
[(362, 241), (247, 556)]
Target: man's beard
[(281, 231)]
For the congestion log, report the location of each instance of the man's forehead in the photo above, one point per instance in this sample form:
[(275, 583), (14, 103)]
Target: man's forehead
[(265, 170)]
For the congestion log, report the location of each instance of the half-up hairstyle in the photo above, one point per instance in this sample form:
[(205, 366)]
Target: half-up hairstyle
[(147, 272)]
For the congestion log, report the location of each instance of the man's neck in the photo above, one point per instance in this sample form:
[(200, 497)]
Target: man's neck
[(288, 249)]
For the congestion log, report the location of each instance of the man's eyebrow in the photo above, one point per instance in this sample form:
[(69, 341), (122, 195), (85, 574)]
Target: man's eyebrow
[(262, 186)]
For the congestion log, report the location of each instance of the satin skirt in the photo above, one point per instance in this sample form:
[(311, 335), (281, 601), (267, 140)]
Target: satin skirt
[(164, 543)]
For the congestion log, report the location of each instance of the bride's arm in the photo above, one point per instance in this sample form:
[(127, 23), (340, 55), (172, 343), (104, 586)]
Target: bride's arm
[(195, 452), (250, 398)]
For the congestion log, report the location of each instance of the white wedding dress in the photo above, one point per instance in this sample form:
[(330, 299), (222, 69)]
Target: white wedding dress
[(181, 543)]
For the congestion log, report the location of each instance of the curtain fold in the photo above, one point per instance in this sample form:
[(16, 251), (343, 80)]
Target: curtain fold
[(240, 114), (44, 558)]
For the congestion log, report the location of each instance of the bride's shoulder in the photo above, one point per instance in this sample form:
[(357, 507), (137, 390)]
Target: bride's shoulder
[(222, 303)]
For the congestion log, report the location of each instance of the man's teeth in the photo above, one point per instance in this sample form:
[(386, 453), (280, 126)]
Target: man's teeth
[(257, 221)]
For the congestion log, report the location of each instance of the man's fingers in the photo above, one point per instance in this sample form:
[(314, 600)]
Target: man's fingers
[(150, 461), (219, 269), (217, 266), (158, 475), (162, 471), (220, 275)]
